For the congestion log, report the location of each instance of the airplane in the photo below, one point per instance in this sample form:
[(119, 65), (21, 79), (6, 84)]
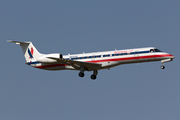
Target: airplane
[(91, 61)]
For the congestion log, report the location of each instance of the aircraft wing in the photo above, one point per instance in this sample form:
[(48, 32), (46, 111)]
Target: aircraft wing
[(77, 64)]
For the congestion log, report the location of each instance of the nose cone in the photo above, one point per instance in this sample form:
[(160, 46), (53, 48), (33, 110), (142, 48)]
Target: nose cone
[(168, 56), (171, 56)]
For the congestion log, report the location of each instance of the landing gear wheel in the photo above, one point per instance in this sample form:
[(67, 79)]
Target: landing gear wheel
[(81, 74), (93, 77), (162, 67)]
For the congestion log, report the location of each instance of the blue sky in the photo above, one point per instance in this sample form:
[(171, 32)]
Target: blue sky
[(127, 92)]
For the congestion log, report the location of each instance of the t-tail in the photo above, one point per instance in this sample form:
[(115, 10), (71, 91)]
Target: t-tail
[(30, 52)]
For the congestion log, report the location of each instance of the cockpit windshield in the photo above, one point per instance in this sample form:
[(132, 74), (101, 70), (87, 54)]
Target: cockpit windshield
[(155, 50)]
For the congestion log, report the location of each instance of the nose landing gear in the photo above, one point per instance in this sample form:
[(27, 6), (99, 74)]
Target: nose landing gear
[(164, 61), (162, 67)]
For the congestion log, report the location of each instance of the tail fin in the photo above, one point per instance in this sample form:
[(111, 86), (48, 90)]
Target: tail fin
[(30, 52)]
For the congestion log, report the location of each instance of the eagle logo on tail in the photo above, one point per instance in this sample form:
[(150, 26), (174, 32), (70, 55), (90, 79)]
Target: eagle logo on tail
[(30, 52)]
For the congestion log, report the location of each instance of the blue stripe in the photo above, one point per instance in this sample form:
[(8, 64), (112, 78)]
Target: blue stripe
[(31, 63), (30, 53)]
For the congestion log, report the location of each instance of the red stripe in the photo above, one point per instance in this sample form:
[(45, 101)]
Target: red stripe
[(53, 65), (131, 58)]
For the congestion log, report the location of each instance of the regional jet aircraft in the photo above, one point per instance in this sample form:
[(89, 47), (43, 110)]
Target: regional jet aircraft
[(91, 61)]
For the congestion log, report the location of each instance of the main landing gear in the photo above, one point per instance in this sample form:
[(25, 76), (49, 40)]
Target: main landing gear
[(93, 76), (81, 74)]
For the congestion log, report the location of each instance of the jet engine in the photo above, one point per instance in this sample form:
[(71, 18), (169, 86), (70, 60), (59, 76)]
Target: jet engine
[(45, 59)]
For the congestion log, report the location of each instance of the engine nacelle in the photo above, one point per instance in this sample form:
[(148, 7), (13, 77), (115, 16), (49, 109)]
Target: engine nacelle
[(45, 59), (60, 56)]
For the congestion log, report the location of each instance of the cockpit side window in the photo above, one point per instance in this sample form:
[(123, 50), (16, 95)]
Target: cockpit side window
[(155, 50), (151, 50)]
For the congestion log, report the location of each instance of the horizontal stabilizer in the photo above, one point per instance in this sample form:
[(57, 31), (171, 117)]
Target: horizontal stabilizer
[(17, 42)]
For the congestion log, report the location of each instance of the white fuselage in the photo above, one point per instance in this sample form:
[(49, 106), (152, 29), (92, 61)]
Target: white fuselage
[(108, 59), (91, 61)]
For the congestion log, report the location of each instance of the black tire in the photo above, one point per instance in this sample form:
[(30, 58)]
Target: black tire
[(162, 67), (81, 74), (93, 77)]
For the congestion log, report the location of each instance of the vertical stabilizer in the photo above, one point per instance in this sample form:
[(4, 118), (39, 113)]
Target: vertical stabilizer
[(30, 52)]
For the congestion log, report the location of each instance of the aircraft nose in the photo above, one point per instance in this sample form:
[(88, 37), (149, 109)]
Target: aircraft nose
[(171, 56)]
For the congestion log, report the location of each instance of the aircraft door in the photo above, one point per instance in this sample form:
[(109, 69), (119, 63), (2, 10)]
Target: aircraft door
[(153, 52), (136, 56), (93, 57)]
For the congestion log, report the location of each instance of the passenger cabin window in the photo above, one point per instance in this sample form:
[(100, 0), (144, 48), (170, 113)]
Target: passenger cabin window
[(108, 55), (115, 54)]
